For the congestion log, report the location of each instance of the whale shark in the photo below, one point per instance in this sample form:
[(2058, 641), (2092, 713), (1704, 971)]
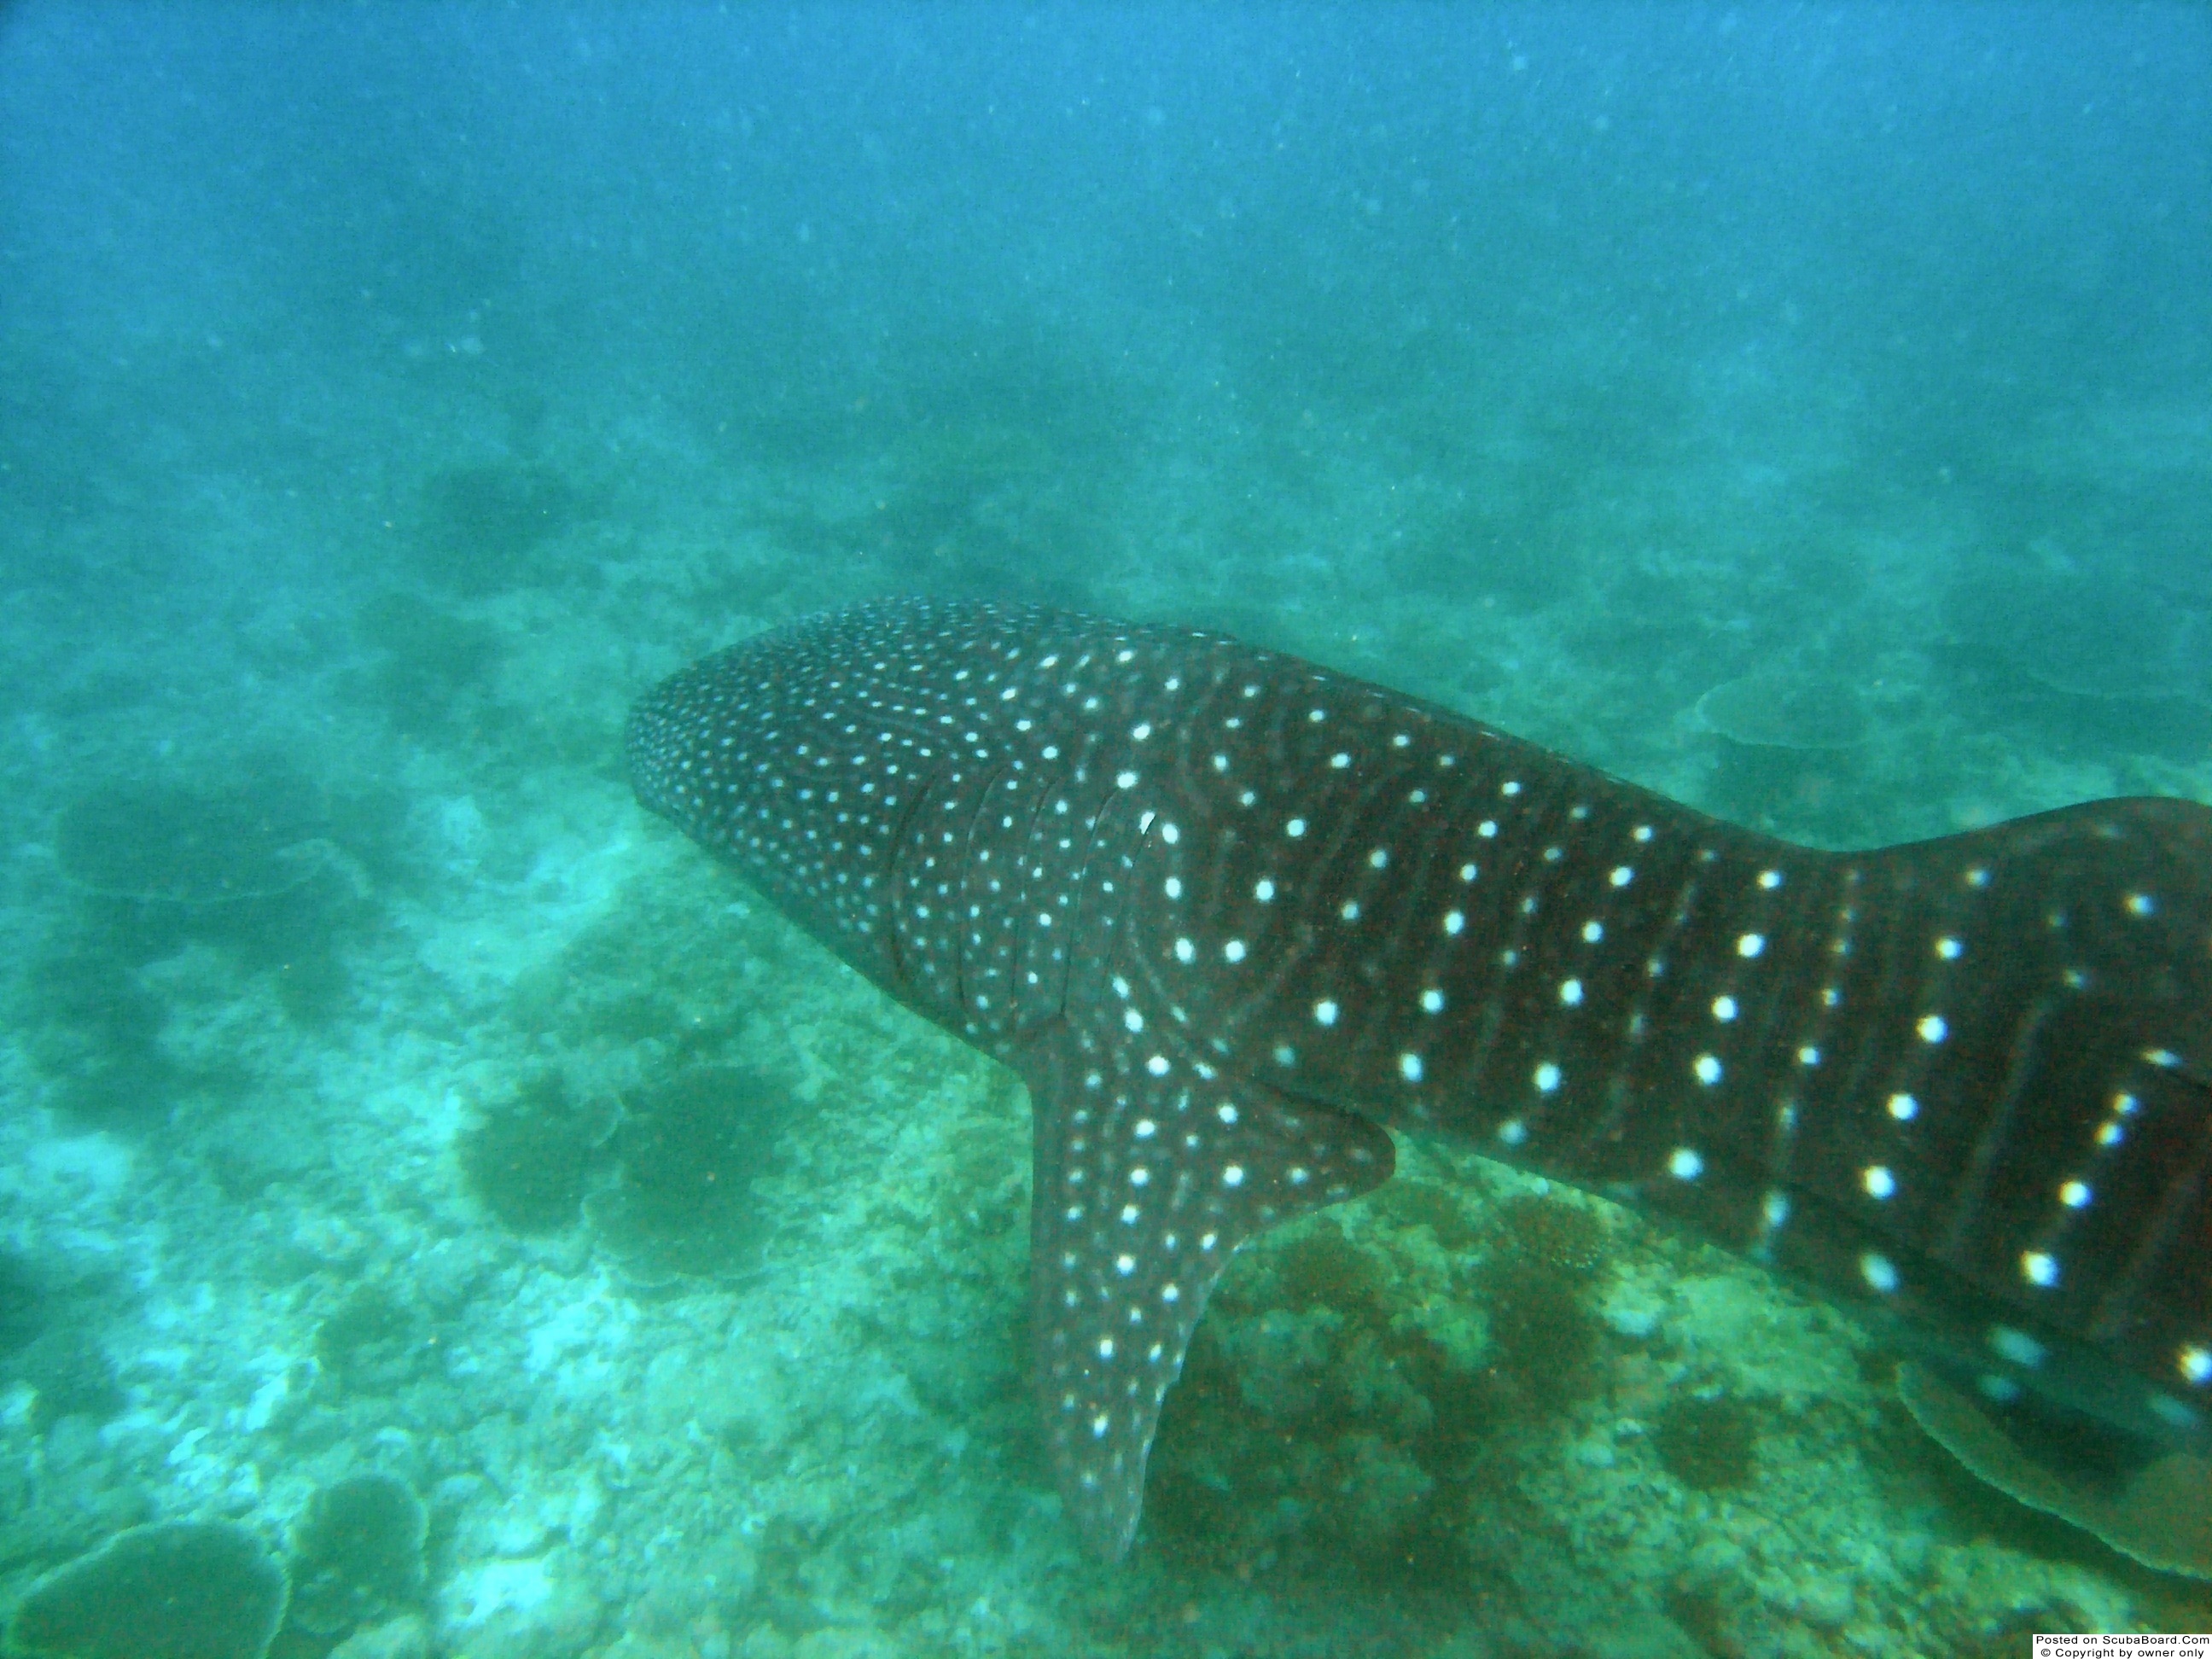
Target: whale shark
[(1236, 920)]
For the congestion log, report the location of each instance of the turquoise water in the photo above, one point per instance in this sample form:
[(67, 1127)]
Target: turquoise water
[(1803, 413)]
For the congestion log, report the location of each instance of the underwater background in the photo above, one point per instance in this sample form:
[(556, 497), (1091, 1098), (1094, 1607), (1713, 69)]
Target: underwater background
[(441, 1213)]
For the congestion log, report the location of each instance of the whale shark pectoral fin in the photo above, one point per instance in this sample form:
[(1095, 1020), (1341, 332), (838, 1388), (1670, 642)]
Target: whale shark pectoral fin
[(1144, 1185)]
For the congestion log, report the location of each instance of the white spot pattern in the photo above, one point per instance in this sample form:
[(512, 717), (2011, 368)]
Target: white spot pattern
[(947, 794)]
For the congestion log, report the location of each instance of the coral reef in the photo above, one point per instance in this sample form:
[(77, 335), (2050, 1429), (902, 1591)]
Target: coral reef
[(357, 1555), (1349, 1401), (528, 1159), (1706, 1441), (179, 1589), (2160, 1513), (688, 1149)]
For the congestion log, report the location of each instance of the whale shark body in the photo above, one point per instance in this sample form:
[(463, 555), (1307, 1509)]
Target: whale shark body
[(1233, 918)]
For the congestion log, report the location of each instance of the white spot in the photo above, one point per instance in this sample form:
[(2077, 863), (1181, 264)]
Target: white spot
[(1751, 944), (1708, 1070), (1349, 910), (2164, 1059), (1685, 1164), (1978, 876), (1138, 1177), (2018, 1346), (1642, 832), (1879, 1270), (1775, 1210), (1878, 1181), (2141, 904), (1340, 761), (2039, 1267), (2126, 1105), (1294, 828), (1808, 1055), (1299, 1175), (2196, 1364), (1593, 932), (1932, 1028), (2076, 1195), (1125, 1265), (2110, 1135), (1513, 1132), (1233, 1175), (1324, 1013), (1379, 858), (1157, 1065), (1769, 879), (1226, 1112), (1724, 1009), (1234, 951), (1454, 921), (1509, 788), (1141, 732), (1409, 1068), (1570, 993), (1949, 949), (1105, 1347), (1169, 834), (1172, 887), (1125, 780), (1467, 872), (1264, 890), (1547, 1078), (1100, 1423), (1185, 950), (1904, 1108), (1146, 1128), (1487, 828), (1622, 875), (1170, 1292), (1133, 1019), (1432, 1002)]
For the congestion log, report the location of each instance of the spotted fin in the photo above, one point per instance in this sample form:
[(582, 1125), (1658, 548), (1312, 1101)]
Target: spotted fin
[(1150, 1171)]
